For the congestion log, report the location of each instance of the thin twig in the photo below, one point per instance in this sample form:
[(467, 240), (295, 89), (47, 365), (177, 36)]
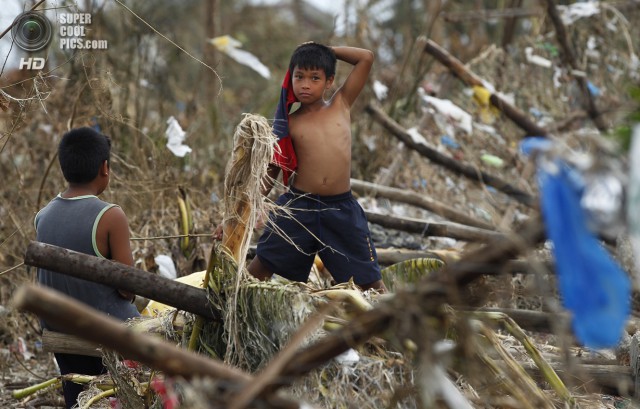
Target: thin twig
[(12, 268), (173, 43), (12, 24), (570, 61), (176, 236)]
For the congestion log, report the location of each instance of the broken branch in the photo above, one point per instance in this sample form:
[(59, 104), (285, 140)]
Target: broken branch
[(117, 275)]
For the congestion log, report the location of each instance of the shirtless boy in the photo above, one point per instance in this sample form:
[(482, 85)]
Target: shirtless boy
[(315, 143)]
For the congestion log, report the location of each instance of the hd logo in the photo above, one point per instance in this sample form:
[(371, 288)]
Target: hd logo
[(31, 31)]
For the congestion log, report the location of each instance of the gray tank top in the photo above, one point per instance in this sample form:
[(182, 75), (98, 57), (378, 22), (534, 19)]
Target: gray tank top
[(72, 224)]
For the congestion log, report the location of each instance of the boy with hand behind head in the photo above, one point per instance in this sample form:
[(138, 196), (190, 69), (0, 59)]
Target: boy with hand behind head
[(315, 142), (77, 220)]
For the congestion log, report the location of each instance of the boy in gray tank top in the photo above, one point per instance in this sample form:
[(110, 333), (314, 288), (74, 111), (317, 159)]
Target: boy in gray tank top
[(77, 220)]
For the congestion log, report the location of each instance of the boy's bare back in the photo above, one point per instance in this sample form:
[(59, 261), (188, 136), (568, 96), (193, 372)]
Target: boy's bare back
[(321, 130)]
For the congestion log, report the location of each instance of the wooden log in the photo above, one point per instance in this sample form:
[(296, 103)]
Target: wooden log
[(527, 319), (541, 321), (77, 319), (58, 342), (69, 344), (570, 60), (422, 201), (393, 255), (634, 358), (612, 379), (389, 256), (449, 162), (471, 79), (183, 297), (428, 296), (426, 228), (491, 14)]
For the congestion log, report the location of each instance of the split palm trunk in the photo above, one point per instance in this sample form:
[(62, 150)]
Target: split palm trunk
[(253, 144)]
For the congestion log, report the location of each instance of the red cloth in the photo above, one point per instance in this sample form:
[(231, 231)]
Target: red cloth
[(285, 158)]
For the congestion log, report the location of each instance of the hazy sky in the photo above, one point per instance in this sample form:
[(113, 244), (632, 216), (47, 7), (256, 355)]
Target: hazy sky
[(12, 8), (8, 12)]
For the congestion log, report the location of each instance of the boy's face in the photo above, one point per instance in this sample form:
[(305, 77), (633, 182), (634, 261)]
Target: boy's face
[(309, 84)]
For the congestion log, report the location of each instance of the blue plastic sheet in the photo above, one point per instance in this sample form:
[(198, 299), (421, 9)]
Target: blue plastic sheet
[(593, 287), (534, 143)]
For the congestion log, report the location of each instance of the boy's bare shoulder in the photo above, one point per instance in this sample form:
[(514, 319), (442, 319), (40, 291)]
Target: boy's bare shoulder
[(114, 217)]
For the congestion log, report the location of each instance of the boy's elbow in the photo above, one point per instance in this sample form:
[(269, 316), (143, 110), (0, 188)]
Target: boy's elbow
[(369, 56)]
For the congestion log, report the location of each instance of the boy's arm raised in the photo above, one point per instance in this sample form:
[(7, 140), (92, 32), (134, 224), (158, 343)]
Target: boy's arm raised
[(362, 60)]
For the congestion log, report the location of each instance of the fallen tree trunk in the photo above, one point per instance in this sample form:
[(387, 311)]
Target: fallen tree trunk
[(99, 270), (389, 256), (422, 201), (569, 58), (426, 228), (57, 342), (471, 79), (75, 318), (427, 297), (612, 379), (447, 161), (540, 321)]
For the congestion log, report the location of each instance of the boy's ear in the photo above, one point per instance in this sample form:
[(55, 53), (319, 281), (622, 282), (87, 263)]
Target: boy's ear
[(330, 81), (104, 168)]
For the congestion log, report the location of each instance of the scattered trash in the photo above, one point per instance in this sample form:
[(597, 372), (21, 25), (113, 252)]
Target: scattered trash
[(536, 59), (482, 213), (482, 97), (166, 267), (420, 183), (176, 137), (633, 200), (602, 201), (380, 90), (449, 142), (416, 136), (532, 144), (551, 49), (537, 114), (593, 90), (592, 286), (348, 358), (230, 46), (21, 348), (492, 160), (574, 12), (450, 113)]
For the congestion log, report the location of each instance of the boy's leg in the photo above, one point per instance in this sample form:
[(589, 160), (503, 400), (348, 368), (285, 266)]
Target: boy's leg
[(350, 252), (376, 285), (258, 270), (288, 245), (80, 364)]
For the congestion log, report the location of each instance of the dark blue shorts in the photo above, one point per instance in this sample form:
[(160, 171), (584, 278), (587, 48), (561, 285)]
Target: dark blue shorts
[(335, 227)]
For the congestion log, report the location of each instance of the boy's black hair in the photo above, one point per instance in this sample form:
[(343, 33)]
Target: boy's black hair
[(81, 153), (314, 55)]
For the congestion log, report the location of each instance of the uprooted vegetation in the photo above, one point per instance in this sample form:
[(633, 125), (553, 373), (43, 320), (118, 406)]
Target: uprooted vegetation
[(427, 345)]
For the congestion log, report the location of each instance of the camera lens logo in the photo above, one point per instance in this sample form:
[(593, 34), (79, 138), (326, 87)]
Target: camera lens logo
[(32, 31)]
